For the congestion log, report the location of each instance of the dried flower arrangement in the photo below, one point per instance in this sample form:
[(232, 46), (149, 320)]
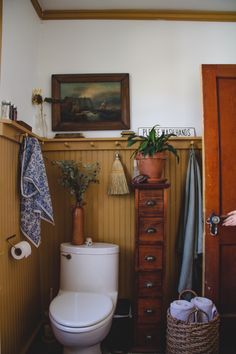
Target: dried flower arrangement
[(76, 177), (37, 100)]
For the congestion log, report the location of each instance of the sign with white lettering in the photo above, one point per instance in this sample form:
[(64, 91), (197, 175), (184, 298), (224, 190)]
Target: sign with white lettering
[(183, 132)]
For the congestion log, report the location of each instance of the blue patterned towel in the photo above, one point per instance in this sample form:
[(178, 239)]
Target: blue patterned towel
[(35, 197)]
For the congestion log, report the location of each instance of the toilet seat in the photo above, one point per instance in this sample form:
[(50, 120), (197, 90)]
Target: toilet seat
[(79, 310)]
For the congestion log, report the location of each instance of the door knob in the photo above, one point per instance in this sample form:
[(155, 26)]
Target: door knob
[(213, 222)]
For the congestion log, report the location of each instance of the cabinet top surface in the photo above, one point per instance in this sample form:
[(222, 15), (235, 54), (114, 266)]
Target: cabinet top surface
[(150, 185)]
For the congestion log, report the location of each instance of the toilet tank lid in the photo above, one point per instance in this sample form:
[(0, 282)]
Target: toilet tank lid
[(95, 248)]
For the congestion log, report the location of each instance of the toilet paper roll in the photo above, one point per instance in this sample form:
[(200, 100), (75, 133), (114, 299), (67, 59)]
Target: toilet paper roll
[(21, 250)]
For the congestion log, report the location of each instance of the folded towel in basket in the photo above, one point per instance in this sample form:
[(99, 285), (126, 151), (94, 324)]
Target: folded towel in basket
[(206, 305), (181, 310), (35, 197)]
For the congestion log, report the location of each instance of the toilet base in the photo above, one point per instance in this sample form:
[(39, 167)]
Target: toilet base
[(95, 349)]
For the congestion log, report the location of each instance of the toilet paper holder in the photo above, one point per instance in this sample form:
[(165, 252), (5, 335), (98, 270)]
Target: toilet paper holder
[(18, 251), (10, 237)]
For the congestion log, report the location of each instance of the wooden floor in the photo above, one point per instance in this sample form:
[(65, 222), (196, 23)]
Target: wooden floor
[(45, 343), (49, 345)]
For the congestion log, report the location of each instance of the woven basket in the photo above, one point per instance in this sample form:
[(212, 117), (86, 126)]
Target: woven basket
[(192, 338)]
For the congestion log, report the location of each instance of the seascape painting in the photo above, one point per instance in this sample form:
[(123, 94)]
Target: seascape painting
[(90, 102), (97, 101)]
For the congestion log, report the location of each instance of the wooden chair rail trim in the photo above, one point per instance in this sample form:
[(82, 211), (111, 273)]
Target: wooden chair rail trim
[(135, 14), (13, 131)]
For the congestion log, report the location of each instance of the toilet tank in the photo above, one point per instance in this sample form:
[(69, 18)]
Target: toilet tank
[(89, 268)]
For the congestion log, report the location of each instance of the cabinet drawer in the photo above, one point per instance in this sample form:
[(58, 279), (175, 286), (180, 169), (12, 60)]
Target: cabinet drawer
[(149, 284), (149, 310), (148, 336), (151, 229), (149, 257), (151, 202)]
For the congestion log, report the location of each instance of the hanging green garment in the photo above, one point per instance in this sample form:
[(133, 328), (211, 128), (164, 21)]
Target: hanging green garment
[(191, 238)]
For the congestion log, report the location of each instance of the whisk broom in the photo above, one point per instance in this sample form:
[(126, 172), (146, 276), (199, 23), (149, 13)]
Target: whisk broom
[(117, 181)]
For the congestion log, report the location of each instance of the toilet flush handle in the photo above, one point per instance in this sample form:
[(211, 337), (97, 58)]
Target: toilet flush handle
[(67, 256)]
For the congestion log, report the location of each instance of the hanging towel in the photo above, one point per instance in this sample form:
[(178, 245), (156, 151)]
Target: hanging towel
[(192, 233), (35, 197)]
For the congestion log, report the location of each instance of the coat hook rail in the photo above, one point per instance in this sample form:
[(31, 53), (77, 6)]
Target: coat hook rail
[(26, 135), (23, 135)]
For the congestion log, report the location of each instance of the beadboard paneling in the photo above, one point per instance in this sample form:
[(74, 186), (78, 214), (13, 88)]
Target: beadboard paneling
[(19, 280)]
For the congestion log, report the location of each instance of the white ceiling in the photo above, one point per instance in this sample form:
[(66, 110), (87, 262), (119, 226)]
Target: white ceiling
[(197, 5)]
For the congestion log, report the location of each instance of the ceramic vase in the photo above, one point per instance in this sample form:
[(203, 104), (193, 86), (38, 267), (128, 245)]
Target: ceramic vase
[(77, 226)]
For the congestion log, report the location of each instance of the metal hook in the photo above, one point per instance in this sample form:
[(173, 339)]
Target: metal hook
[(9, 241)]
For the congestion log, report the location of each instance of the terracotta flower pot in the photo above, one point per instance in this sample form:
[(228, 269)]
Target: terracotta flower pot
[(152, 166), (77, 226)]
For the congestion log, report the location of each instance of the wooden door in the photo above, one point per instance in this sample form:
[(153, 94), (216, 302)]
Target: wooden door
[(219, 100)]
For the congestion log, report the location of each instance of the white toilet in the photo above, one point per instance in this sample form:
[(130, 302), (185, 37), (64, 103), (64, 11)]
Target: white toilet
[(81, 314)]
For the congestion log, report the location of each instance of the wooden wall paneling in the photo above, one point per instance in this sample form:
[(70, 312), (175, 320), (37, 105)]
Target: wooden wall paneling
[(103, 213), (53, 235), (19, 280)]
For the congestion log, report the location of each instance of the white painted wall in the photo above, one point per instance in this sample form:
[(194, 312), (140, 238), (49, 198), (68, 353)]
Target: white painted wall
[(163, 59), (19, 62)]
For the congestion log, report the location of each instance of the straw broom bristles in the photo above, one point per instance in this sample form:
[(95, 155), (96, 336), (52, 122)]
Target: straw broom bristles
[(117, 181)]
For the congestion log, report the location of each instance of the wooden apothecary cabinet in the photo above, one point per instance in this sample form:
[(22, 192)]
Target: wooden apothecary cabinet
[(150, 255)]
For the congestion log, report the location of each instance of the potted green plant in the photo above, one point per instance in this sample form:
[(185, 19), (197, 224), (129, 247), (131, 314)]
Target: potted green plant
[(76, 177), (151, 153)]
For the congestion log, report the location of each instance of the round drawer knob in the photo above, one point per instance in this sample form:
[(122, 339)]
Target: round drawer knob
[(150, 258), (150, 203), (148, 337), (149, 311), (151, 230), (149, 284)]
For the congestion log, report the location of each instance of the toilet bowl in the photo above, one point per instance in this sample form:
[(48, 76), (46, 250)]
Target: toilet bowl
[(81, 314)]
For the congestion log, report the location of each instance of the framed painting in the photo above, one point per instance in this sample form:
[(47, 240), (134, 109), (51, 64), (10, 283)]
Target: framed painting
[(90, 102)]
